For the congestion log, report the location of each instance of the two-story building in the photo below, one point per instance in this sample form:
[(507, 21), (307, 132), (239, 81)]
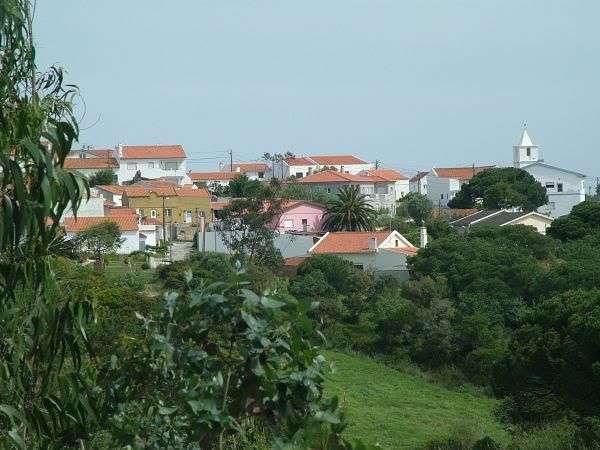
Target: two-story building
[(418, 183), (209, 179), (89, 161), (254, 171), (178, 205), (305, 165), (401, 183), (151, 161), (380, 192), (443, 183), (565, 188)]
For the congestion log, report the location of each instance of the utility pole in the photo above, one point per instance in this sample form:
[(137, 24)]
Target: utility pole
[(230, 160), (163, 217)]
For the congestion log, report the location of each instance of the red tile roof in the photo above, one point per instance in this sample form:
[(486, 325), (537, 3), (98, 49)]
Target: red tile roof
[(125, 223), (189, 192), (249, 167), (336, 160), (90, 163), (153, 151), (294, 261), (112, 188), (102, 152), (409, 251), (217, 206), (324, 160), (348, 241), (331, 176), (387, 174), (212, 176), (166, 189), (460, 173), (300, 161)]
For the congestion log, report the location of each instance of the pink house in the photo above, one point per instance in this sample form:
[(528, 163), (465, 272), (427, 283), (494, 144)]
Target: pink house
[(300, 215)]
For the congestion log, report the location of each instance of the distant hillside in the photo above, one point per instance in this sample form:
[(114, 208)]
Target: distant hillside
[(402, 411)]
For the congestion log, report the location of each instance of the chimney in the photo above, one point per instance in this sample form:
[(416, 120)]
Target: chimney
[(238, 169), (423, 236), (373, 243)]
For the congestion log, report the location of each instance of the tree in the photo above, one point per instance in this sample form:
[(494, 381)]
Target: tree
[(42, 339), (246, 224), (350, 211), (551, 369), (418, 207), (500, 188), (104, 176), (583, 220), (100, 240), (241, 186), (277, 160)]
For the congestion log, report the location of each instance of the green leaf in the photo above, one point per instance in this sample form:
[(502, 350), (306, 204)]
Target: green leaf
[(166, 410), (326, 416), (269, 303), (14, 435)]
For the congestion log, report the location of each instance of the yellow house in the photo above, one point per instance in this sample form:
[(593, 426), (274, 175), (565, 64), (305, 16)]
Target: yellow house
[(180, 205)]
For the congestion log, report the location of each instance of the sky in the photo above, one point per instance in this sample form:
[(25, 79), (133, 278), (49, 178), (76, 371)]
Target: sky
[(415, 84)]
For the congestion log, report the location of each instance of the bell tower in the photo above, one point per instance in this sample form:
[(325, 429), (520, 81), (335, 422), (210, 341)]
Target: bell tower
[(525, 152)]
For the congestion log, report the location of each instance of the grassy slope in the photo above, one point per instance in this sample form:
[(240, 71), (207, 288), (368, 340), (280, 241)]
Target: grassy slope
[(400, 410)]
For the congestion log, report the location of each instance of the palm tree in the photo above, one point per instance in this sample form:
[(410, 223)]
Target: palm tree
[(350, 211)]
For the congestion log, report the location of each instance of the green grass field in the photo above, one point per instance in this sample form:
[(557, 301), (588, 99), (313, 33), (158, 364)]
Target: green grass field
[(402, 411)]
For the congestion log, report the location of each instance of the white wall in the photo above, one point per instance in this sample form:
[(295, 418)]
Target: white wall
[(126, 172), (441, 190), (130, 244), (419, 186), (93, 207), (560, 203)]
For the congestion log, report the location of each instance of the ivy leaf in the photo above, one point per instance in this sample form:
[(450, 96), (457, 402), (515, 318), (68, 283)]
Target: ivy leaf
[(167, 410), (270, 303), (326, 416)]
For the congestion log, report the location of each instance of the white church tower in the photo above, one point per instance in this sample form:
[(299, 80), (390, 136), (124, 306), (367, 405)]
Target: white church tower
[(525, 152)]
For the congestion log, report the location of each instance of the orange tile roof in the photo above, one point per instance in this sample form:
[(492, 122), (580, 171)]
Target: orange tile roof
[(102, 152), (387, 174), (460, 173), (294, 261), (249, 167), (300, 161), (348, 241), (336, 160), (212, 176), (112, 188), (409, 251), (90, 163), (161, 189), (217, 206), (189, 192), (153, 151), (125, 223), (331, 176)]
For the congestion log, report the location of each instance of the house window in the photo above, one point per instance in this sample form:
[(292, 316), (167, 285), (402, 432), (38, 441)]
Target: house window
[(299, 174), (170, 165), (397, 243), (329, 190), (151, 165), (131, 166), (559, 187), (261, 174), (304, 224), (442, 196), (140, 211), (528, 151), (168, 212), (153, 213), (359, 266), (549, 185), (288, 223)]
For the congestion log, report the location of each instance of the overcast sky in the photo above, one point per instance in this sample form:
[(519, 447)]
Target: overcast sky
[(412, 83)]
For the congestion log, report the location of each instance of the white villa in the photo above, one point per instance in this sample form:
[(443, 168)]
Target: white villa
[(305, 165), (565, 188)]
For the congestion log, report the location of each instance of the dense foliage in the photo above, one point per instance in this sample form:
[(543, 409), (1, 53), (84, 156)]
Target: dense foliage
[(500, 188), (350, 211), (583, 220), (102, 177), (99, 240)]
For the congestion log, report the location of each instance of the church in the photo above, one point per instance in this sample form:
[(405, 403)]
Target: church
[(565, 188)]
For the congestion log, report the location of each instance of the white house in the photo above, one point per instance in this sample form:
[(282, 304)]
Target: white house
[(503, 217), (206, 179), (444, 182), (401, 183), (91, 207), (128, 225), (254, 171), (565, 188), (418, 183), (152, 161), (90, 161), (380, 192), (305, 165), (381, 252)]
